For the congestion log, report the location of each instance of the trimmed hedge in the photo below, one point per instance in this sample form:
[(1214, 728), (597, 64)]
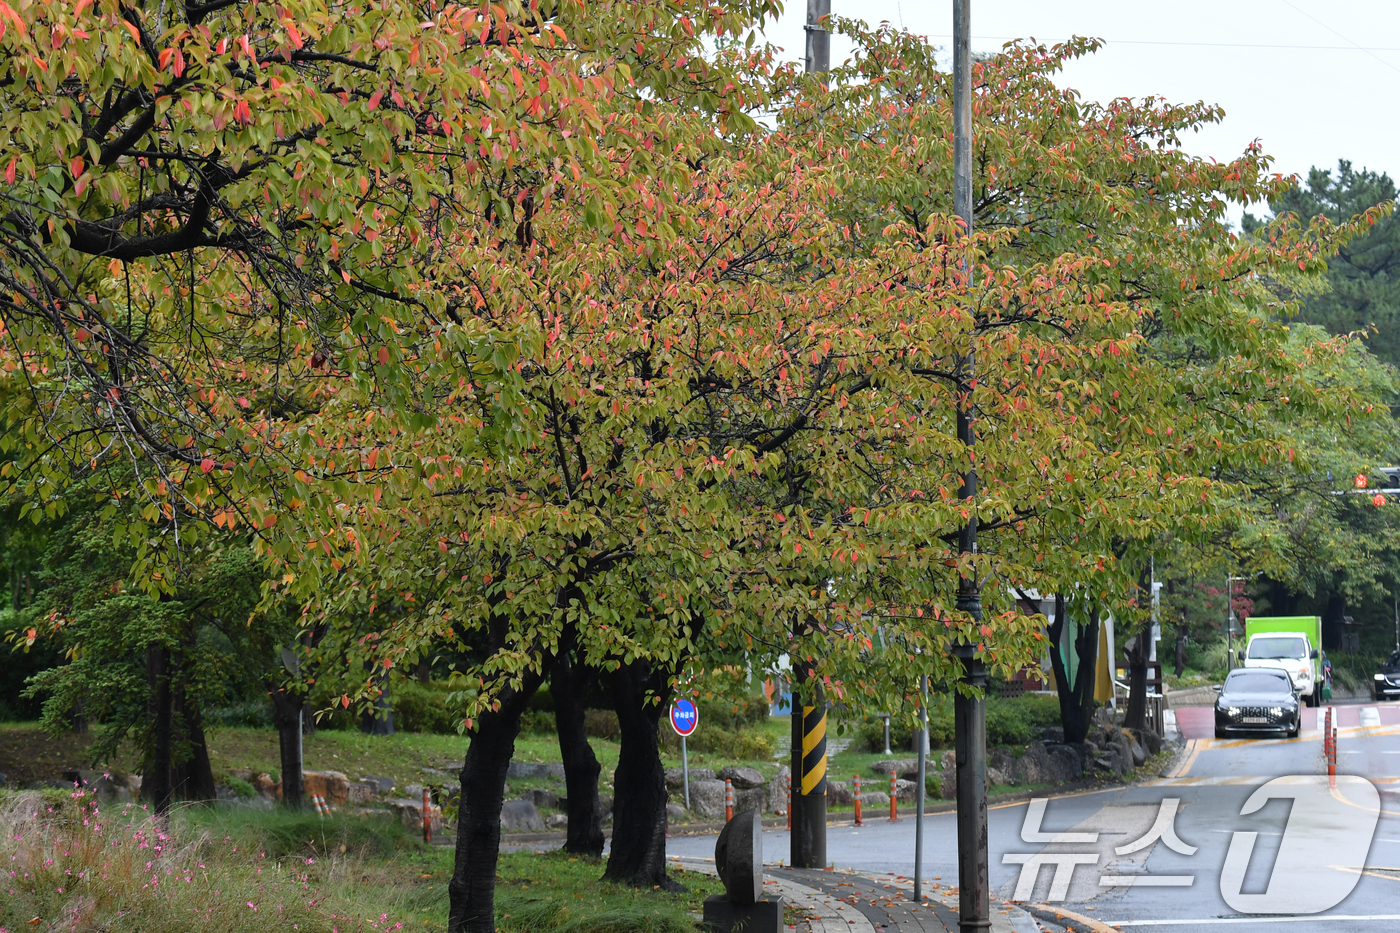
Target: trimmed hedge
[(1009, 723)]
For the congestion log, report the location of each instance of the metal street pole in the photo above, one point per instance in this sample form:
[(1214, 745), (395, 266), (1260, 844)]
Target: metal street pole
[(969, 712), (818, 39), (808, 840), (919, 792)]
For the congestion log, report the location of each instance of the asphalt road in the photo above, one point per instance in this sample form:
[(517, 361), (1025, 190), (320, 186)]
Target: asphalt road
[(1341, 840)]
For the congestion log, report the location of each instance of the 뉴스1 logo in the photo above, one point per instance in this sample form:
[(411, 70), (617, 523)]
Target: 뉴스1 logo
[(1328, 827)]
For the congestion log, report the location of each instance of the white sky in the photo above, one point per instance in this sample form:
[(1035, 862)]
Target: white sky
[(1259, 59)]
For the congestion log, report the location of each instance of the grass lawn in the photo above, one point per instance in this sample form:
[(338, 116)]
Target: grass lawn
[(241, 871)]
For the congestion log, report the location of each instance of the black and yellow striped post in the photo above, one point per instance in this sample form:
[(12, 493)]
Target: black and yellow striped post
[(809, 780)]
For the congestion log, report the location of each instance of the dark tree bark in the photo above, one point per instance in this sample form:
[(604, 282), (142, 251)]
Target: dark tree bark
[(640, 693), (155, 785), (472, 890), (287, 711), (425, 670), (191, 774), (1181, 631), (569, 684), (1136, 715), (380, 719), (1077, 698)]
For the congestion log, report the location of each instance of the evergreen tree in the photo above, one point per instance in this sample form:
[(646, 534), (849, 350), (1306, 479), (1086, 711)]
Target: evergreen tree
[(1364, 276)]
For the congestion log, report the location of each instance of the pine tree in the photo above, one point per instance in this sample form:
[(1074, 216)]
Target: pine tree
[(1364, 277)]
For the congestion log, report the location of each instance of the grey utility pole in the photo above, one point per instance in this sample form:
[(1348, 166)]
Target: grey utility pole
[(808, 840), (818, 39), (969, 713)]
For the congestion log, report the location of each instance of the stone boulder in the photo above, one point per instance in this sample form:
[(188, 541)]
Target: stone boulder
[(409, 812), (753, 798), (995, 777), (521, 816), (1150, 741), (742, 778), (873, 800), (333, 786), (1139, 754), (1048, 763), (675, 777), (101, 784), (948, 775), (541, 798), (675, 811), (559, 821), (896, 766), (361, 792), (839, 794), (520, 770), (778, 791), (905, 790), (707, 799), (605, 808), (382, 785), (242, 774)]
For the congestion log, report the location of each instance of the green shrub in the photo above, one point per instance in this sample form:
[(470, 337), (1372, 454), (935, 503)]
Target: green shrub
[(601, 724), (423, 707), (1010, 722), (256, 714), (242, 788)]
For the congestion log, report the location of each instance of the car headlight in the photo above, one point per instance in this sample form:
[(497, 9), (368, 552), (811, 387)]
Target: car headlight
[(1276, 711), (1380, 677), (1233, 710)]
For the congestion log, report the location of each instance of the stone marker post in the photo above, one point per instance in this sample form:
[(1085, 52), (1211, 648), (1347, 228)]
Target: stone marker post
[(739, 859)]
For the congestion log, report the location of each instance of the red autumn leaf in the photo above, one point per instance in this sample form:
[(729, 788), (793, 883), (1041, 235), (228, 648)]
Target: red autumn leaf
[(374, 99), (206, 465), (383, 356)]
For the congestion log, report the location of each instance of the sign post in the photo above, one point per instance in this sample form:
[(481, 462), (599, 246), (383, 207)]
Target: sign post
[(684, 719)]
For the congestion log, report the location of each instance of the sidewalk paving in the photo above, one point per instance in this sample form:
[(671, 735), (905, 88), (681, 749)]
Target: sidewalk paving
[(860, 902)]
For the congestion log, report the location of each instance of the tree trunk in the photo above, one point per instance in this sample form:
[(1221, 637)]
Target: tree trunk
[(638, 858), (472, 890), (379, 720), (191, 778), (581, 769), (1136, 715), (1181, 647), (287, 711), (1076, 699), (155, 785)]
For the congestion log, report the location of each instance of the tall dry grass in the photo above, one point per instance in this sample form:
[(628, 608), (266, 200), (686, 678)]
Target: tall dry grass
[(77, 868)]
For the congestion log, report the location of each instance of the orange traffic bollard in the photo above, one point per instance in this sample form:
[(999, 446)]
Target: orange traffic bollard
[(857, 820), (427, 818), (788, 782), (894, 799), (728, 800)]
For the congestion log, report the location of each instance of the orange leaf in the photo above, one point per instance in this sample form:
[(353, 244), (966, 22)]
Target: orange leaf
[(206, 465)]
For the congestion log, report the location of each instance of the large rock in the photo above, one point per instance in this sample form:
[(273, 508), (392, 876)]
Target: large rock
[(948, 775), (1138, 752), (520, 770), (1048, 763), (333, 786), (839, 794), (521, 816), (409, 812), (1121, 740), (905, 790), (739, 858), (382, 785), (707, 799), (873, 800), (605, 808), (101, 784), (541, 798), (361, 792), (754, 798), (675, 776), (742, 778), (561, 821), (778, 791), (675, 811), (1150, 741), (896, 766)]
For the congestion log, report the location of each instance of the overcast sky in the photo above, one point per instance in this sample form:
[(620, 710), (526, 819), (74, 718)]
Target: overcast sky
[(1314, 80)]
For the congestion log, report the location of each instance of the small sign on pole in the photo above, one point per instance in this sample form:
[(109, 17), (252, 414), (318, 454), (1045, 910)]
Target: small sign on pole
[(685, 717)]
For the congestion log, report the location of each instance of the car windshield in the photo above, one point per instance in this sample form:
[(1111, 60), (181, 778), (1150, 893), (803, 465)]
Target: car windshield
[(1257, 682), (1273, 649), (1392, 666)]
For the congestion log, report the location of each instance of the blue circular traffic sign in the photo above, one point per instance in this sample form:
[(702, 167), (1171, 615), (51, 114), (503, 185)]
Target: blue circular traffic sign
[(684, 717)]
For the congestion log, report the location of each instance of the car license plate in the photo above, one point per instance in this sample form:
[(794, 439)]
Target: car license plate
[(1254, 720)]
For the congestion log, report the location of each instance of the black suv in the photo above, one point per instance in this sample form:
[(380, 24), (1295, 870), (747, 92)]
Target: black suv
[(1386, 684)]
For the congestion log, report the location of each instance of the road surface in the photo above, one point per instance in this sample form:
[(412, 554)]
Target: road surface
[(1161, 890)]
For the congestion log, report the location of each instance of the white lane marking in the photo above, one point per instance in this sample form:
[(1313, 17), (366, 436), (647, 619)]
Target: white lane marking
[(1228, 921), (1370, 716)]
